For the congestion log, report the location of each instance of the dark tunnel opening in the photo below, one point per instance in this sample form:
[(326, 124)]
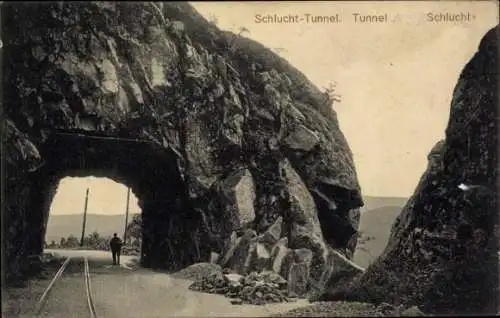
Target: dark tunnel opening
[(168, 221)]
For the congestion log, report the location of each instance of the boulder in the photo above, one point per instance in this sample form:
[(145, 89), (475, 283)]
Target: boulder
[(240, 259), (305, 231), (198, 271), (302, 255), (214, 283), (301, 138), (413, 311), (278, 253), (338, 271), (233, 282), (343, 265), (270, 237), (273, 278), (286, 263), (293, 112), (244, 192), (237, 193), (233, 278), (229, 248), (299, 272), (298, 278), (259, 257), (214, 257), (302, 217)]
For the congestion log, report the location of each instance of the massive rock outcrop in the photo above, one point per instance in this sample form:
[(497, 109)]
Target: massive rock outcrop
[(215, 134), (442, 253)]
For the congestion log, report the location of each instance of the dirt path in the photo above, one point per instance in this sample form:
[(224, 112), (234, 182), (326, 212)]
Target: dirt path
[(68, 295), (129, 291), (146, 294)]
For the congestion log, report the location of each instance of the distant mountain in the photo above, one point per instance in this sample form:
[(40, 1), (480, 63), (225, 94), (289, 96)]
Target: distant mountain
[(376, 223), (71, 224), (372, 203)]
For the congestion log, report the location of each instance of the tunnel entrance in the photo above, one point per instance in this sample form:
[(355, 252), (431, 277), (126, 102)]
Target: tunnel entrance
[(171, 228), (81, 219)]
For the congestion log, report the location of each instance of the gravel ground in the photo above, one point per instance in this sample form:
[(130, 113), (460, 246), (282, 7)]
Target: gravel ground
[(121, 292), (18, 301), (334, 309), (68, 295)]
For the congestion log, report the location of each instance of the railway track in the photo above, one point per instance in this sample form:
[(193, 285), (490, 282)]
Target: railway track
[(49, 295)]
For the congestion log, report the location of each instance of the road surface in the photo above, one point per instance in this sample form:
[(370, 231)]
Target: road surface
[(128, 291)]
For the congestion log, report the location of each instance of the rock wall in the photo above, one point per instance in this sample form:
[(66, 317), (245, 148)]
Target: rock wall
[(442, 253), (214, 133)]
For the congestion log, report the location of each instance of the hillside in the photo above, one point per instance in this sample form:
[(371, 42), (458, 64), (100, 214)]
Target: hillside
[(71, 224), (375, 223), (377, 217), (374, 202)]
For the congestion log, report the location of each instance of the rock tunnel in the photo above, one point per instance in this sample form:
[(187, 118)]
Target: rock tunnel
[(214, 141), (151, 173)]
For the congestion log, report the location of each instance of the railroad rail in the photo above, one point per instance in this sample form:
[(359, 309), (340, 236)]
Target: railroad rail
[(41, 304), (88, 289)]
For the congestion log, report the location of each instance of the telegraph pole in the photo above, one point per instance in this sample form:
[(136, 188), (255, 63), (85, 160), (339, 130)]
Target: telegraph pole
[(84, 217), (126, 217)]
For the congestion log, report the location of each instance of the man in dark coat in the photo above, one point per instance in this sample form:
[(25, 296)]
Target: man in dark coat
[(116, 245)]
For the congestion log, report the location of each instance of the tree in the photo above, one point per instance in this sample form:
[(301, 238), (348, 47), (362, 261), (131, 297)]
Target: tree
[(362, 239), (134, 230), (72, 241), (278, 50), (62, 243), (231, 42), (330, 93), (242, 30), (94, 239), (213, 19)]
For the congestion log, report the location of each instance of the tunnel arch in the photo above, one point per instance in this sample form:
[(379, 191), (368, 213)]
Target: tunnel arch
[(170, 224)]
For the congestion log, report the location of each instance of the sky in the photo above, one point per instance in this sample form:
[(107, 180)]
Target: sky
[(395, 80), (105, 197)]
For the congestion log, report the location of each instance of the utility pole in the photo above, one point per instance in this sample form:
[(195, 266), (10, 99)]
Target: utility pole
[(84, 216), (126, 218)]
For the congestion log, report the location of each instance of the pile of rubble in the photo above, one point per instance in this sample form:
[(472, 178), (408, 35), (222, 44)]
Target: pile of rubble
[(197, 271), (215, 283), (274, 250), (261, 269), (255, 288)]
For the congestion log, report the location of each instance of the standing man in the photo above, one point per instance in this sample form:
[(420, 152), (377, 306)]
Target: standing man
[(116, 245)]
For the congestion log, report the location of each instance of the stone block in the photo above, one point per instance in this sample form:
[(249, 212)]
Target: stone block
[(298, 278), (278, 254)]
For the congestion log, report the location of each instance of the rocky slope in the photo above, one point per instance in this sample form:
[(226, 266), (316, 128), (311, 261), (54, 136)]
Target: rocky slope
[(215, 134), (442, 253)]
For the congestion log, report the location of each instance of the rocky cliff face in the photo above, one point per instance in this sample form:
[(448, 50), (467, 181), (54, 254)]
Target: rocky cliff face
[(442, 253), (214, 133)]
